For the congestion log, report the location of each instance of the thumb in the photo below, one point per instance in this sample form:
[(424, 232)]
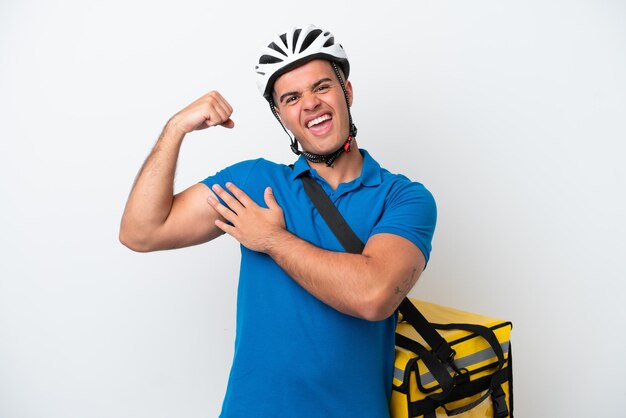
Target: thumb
[(270, 200), (228, 123)]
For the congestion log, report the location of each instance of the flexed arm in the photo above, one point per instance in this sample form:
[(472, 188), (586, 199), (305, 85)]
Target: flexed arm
[(155, 219)]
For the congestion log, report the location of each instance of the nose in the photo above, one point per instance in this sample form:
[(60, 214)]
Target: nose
[(310, 101)]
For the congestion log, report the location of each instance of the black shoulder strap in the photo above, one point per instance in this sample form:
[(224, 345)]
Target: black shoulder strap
[(332, 216), (353, 244)]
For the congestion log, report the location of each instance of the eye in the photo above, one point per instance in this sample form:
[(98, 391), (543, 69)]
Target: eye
[(291, 99), (323, 87)]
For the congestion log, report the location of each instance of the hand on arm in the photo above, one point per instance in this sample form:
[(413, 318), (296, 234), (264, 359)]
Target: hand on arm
[(155, 219), (256, 228), (370, 285)]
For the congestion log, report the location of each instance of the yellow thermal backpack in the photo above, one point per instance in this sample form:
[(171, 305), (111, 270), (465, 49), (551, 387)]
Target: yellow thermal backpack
[(451, 363)]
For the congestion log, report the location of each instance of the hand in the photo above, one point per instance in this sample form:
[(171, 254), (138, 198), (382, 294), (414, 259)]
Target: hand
[(209, 110), (256, 228)]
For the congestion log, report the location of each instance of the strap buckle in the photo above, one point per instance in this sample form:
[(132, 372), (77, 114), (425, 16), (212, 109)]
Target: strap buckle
[(498, 398)]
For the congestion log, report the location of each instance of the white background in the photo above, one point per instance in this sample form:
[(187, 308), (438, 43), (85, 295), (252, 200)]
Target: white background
[(512, 114)]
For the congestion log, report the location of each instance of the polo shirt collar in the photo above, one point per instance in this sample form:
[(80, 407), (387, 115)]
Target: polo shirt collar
[(300, 166), (370, 172)]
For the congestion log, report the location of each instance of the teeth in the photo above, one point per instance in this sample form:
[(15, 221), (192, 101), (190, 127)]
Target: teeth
[(317, 121)]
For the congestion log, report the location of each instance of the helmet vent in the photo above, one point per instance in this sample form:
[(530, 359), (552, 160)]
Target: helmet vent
[(283, 38), (268, 59), (329, 42), (276, 48), (313, 35), (296, 35)]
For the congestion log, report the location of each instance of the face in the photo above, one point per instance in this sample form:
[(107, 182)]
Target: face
[(311, 104)]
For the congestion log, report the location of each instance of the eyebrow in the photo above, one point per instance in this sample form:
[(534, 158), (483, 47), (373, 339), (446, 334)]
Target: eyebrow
[(313, 87)]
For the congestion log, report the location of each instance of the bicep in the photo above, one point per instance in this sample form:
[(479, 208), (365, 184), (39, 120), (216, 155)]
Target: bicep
[(191, 220)]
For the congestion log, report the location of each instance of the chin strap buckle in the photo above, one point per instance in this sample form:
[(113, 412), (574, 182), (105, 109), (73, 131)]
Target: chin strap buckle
[(347, 146)]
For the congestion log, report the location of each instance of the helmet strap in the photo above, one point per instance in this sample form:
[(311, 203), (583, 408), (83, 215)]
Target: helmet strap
[(345, 94)]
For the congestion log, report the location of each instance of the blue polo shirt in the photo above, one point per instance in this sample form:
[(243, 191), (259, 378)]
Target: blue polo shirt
[(294, 355)]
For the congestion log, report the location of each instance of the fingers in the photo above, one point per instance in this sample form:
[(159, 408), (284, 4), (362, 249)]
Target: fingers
[(218, 110), (222, 102), (228, 123), (233, 204), (239, 200), (270, 199), (244, 219), (240, 195), (225, 212), (229, 229)]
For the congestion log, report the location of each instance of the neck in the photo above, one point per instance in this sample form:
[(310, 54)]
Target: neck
[(347, 167)]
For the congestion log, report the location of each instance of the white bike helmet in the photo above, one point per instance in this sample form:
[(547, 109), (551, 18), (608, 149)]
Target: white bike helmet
[(294, 48)]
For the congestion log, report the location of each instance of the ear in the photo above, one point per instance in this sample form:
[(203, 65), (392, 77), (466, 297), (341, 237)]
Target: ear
[(274, 103), (348, 85), (277, 109)]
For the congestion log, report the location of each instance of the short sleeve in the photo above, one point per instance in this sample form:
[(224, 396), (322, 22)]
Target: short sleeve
[(410, 212), (237, 174)]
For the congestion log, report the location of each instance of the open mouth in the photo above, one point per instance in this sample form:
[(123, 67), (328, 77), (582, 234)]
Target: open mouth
[(318, 121)]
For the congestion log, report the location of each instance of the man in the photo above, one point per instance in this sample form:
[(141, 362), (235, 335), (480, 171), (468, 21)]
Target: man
[(315, 325)]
